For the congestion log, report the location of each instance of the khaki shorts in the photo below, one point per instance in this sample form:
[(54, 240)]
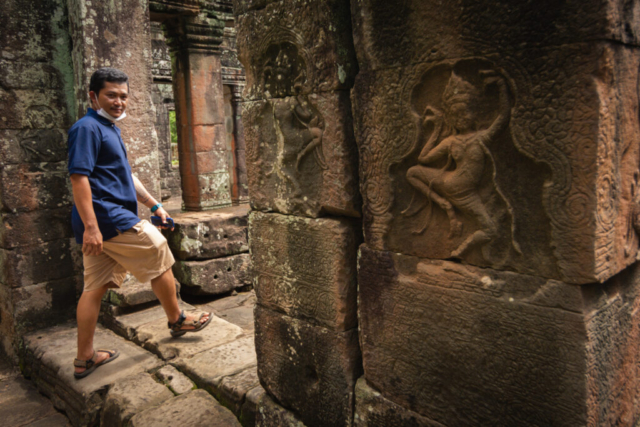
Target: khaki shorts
[(142, 250)]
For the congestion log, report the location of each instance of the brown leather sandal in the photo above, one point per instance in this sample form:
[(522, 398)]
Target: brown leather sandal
[(198, 325), (90, 365)]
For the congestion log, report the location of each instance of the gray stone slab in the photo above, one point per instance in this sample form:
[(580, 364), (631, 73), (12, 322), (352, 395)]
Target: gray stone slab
[(209, 368), (250, 406), (209, 234), (240, 314), (270, 414), (155, 337), (233, 389), (177, 382), (131, 395), (126, 325), (49, 358), (132, 293), (214, 276), (196, 408), (233, 301)]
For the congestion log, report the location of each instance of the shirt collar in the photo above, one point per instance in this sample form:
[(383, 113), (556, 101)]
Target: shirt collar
[(91, 112)]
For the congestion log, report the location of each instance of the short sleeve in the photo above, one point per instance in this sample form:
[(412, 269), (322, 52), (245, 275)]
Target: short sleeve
[(84, 146)]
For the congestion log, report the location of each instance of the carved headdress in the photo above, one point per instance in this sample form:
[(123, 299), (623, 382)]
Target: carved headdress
[(459, 90)]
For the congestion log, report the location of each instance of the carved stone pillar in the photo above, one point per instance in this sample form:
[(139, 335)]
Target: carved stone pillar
[(205, 156), (242, 184)]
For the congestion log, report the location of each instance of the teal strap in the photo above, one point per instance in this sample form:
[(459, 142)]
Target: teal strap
[(155, 208)]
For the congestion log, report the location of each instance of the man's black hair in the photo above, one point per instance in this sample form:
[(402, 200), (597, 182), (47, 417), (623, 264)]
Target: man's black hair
[(106, 74)]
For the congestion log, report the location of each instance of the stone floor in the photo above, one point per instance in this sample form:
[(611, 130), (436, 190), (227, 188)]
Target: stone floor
[(205, 378)]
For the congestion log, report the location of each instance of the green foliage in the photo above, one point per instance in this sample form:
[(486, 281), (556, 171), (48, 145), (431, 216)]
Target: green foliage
[(173, 127)]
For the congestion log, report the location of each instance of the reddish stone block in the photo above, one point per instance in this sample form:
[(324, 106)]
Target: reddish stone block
[(207, 138), (33, 146), (35, 186), (306, 268), (36, 227)]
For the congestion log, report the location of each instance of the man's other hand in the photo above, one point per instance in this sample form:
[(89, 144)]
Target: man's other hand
[(163, 215), (92, 241)]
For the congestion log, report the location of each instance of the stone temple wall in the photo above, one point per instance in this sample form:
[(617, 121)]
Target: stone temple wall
[(498, 168), (39, 273)]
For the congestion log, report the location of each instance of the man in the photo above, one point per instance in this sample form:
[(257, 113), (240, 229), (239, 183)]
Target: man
[(105, 220)]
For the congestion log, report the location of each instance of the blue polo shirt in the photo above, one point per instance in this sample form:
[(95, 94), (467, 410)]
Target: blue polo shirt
[(97, 151)]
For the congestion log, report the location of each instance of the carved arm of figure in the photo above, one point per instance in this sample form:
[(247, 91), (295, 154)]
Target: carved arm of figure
[(428, 153), (502, 121), (307, 119)]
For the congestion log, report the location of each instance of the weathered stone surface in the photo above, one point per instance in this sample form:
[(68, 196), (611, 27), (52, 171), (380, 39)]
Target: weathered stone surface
[(301, 155), (233, 389), (306, 268), (109, 41), (33, 186), (129, 396), (390, 34), (177, 382), (155, 337), (213, 277), (127, 325), (293, 47), (241, 316), (28, 265), (546, 183), (196, 408), (48, 357), (240, 299), (373, 409), (462, 345), (33, 145), (210, 367), (133, 292), (34, 228), (250, 406), (270, 414), (309, 369), (209, 234)]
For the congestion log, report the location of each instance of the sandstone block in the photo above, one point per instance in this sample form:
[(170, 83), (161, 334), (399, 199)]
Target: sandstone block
[(46, 361), (306, 268), (373, 409), (301, 155), (28, 265), (33, 146), (553, 191), (233, 389), (209, 234), (248, 417), (389, 34), (309, 369), (177, 382), (133, 293), (155, 337), (270, 414), (461, 345), (130, 396), (288, 48), (196, 408), (214, 276), (35, 186), (31, 228)]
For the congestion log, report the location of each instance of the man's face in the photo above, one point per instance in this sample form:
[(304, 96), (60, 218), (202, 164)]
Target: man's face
[(113, 98)]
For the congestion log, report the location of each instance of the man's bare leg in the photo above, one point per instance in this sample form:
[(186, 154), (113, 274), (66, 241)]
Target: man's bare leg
[(164, 286), (87, 317)]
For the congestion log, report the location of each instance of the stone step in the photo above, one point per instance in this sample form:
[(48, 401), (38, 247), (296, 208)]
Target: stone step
[(132, 293), (215, 276), (209, 234)]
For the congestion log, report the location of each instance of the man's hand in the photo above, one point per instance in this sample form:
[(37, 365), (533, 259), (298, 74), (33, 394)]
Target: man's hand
[(92, 241), (163, 215)]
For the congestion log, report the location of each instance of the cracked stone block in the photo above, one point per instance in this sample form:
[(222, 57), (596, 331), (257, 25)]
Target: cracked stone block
[(155, 337), (177, 382), (462, 345), (289, 47), (234, 389), (215, 276), (195, 408), (129, 396), (309, 369), (209, 234), (302, 156), (133, 293), (250, 406), (373, 409), (34, 228), (33, 145), (35, 186), (48, 360), (270, 414), (305, 267)]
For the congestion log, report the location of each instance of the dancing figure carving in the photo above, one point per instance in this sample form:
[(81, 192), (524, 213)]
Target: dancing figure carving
[(455, 168)]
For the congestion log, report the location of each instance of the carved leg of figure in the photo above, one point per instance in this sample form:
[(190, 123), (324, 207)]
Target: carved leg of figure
[(420, 177), (315, 143), (420, 204), (487, 232)]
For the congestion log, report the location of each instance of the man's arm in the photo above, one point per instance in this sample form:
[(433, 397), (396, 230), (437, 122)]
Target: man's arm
[(146, 199), (92, 238)]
